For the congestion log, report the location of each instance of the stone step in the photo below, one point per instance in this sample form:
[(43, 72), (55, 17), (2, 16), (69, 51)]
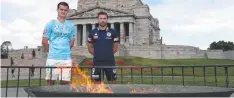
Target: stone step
[(80, 50)]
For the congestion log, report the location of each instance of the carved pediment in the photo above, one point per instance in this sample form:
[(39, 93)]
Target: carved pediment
[(93, 12)]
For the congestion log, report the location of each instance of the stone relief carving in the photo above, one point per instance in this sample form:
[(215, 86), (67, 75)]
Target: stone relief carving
[(71, 12), (94, 12)]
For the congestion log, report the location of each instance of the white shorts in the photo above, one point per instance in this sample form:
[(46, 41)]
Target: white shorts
[(56, 72)]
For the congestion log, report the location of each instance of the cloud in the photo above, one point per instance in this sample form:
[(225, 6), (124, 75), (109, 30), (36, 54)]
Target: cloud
[(195, 22), (23, 22), (21, 25), (182, 22), (20, 2)]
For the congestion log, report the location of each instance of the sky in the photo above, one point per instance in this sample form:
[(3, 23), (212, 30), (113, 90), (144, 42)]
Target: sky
[(182, 22)]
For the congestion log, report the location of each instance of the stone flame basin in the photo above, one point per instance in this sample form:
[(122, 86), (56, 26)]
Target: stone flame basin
[(124, 91)]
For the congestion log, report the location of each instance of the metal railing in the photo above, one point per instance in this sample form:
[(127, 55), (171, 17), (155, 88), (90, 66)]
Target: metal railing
[(206, 75)]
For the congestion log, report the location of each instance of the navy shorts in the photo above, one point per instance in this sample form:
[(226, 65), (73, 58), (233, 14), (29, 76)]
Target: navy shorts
[(97, 74)]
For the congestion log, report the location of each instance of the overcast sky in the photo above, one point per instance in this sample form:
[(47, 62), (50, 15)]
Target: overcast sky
[(182, 22)]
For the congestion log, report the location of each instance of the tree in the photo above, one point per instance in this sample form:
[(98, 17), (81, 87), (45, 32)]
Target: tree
[(225, 46), (5, 47)]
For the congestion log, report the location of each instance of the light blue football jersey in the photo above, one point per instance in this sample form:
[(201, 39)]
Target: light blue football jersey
[(59, 36)]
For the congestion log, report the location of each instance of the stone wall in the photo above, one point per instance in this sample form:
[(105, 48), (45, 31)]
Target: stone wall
[(215, 54), (229, 54), (141, 31), (27, 53), (159, 51), (116, 4), (173, 52), (141, 11), (146, 51), (200, 54)]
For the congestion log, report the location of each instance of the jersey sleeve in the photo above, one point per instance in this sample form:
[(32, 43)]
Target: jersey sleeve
[(116, 36), (90, 37), (47, 30), (72, 34)]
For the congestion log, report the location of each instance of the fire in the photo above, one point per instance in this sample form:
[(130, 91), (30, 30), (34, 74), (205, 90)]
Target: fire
[(83, 83)]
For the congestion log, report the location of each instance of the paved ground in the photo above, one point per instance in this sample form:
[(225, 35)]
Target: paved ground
[(12, 92), (22, 93)]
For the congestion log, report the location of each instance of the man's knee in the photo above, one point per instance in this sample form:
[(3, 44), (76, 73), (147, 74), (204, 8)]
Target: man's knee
[(111, 74)]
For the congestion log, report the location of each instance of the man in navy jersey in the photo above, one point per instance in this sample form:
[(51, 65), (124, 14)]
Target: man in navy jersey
[(103, 44)]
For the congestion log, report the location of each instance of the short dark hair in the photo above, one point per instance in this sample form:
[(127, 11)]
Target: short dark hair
[(102, 13), (62, 3)]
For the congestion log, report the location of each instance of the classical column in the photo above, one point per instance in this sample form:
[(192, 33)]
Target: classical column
[(122, 33), (79, 37), (113, 25), (76, 37), (84, 35), (131, 32), (93, 26)]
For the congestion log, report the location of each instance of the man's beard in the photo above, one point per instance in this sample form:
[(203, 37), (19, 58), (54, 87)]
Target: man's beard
[(103, 24)]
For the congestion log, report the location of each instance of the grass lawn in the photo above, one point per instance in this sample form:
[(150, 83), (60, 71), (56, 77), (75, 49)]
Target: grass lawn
[(191, 76), (198, 71), (139, 61)]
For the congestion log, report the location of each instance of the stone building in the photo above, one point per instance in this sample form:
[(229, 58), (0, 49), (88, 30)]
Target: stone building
[(139, 31), (131, 18)]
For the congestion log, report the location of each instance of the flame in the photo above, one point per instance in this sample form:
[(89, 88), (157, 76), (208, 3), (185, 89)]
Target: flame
[(83, 83)]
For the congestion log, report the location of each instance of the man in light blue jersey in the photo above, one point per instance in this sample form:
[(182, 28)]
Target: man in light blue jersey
[(60, 35)]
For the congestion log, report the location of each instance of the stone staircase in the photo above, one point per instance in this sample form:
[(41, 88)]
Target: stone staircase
[(81, 51), (78, 59)]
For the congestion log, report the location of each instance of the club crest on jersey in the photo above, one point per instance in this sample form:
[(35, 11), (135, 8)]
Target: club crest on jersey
[(95, 36), (108, 34)]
